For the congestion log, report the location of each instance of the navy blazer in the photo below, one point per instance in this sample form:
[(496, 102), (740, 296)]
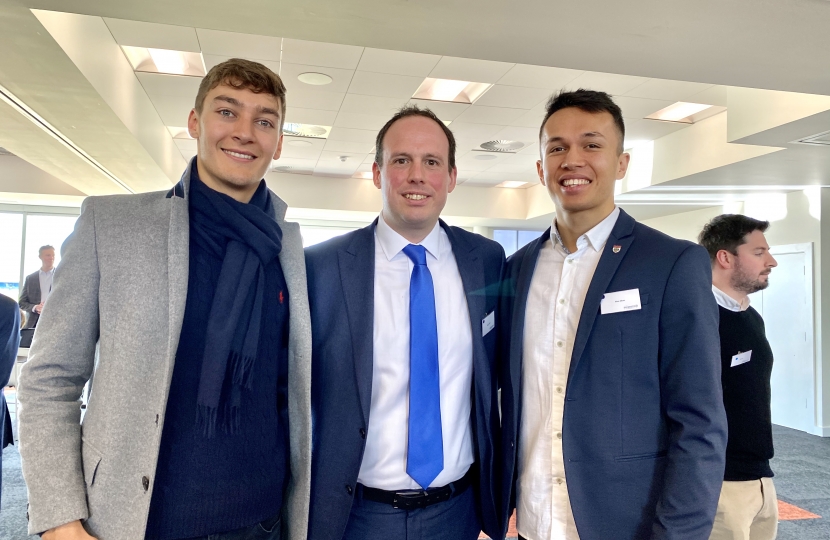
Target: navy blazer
[(9, 340), (644, 429), (341, 297)]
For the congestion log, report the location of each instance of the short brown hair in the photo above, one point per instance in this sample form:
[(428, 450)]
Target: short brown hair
[(241, 73), (589, 101), (728, 231), (414, 110)]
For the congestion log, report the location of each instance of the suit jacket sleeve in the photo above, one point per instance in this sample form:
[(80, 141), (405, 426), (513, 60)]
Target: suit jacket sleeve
[(27, 302), (9, 338), (691, 391), (60, 363)]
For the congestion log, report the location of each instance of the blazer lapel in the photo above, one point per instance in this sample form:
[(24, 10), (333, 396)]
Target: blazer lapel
[(609, 262), (357, 278)]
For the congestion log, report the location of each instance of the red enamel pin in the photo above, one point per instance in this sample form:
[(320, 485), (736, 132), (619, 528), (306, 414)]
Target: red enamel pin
[(616, 248)]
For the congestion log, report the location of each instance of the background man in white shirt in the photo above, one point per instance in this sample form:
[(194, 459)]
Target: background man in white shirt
[(37, 286), (403, 369), (741, 264), (610, 386)]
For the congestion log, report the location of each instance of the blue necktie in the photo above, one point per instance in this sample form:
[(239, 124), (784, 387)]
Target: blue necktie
[(425, 454)]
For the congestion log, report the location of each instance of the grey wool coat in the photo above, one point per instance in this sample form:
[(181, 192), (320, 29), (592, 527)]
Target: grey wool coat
[(114, 318)]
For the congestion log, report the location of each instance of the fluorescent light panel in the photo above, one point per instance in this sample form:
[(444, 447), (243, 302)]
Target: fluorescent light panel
[(450, 90), (679, 112), (513, 184), (165, 61)]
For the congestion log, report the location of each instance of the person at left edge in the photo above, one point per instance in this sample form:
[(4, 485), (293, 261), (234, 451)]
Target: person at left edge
[(187, 312), (9, 340), (370, 404)]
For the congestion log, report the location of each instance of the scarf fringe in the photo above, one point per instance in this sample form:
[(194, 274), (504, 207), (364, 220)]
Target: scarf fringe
[(241, 368), (208, 421)]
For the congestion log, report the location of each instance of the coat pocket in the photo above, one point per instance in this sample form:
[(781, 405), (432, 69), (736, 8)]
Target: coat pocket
[(641, 457), (91, 458)]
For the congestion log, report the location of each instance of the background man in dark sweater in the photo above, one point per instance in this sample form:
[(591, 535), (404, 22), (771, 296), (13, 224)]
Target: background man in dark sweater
[(741, 264)]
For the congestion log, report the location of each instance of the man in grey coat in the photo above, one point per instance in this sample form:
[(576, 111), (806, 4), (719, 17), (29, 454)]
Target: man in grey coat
[(186, 312)]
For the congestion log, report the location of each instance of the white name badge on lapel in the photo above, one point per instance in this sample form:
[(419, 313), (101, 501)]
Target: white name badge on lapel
[(616, 302), (741, 358), (488, 323)]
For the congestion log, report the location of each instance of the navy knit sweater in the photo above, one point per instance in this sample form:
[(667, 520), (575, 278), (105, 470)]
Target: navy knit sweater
[(208, 486)]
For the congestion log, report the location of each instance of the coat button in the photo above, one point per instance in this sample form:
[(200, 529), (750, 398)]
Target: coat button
[(348, 489), (145, 482), (363, 433)]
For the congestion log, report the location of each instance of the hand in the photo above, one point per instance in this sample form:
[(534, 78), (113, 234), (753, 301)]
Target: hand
[(38, 308), (70, 531)]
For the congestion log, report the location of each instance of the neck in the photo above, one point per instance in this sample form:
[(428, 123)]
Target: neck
[(414, 235), (572, 225), (722, 282), (243, 194), (45, 269)]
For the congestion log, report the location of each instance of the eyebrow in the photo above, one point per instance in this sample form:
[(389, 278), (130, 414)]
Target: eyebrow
[(587, 135), (408, 155), (260, 109)]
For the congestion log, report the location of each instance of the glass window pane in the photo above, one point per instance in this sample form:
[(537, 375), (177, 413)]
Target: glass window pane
[(527, 236), (43, 231), (11, 235), (315, 235), (507, 239)]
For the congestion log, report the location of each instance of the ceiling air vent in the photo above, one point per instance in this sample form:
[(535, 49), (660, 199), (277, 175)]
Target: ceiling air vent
[(503, 146), (822, 139), (306, 130)]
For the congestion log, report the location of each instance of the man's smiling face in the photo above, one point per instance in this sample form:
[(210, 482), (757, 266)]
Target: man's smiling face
[(239, 133), (581, 160)]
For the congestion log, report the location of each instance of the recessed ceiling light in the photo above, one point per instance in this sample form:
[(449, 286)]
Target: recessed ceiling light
[(484, 157), (316, 79), (306, 130), (165, 61), (450, 90), (179, 132), (503, 146), (682, 112), (297, 142), (512, 184)]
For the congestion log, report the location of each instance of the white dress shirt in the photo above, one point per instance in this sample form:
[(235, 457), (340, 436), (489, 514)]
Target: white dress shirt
[(727, 302), (554, 304), (45, 283), (384, 459)]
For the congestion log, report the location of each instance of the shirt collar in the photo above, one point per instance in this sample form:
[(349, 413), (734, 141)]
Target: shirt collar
[(393, 243), (596, 237), (50, 272), (727, 302)]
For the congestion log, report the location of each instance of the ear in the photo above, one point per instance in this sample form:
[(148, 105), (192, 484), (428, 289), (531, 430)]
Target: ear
[(724, 259), (279, 149), (540, 171), (622, 165), (453, 177), (193, 124), (376, 174)]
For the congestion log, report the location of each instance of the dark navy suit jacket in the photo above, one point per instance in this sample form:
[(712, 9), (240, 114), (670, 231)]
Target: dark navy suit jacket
[(9, 340), (644, 429), (341, 297)]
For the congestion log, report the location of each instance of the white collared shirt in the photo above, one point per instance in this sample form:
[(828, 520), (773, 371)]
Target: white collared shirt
[(45, 279), (554, 305), (727, 302), (384, 459)]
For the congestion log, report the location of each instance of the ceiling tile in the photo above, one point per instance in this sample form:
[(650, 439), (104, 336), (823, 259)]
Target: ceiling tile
[(310, 116), (352, 135), (153, 35), (331, 168), (478, 132), (493, 177), (531, 119), (480, 161), (369, 159), (173, 110), (374, 105), (238, 45), (649, 130), (610, 83), (371, 122), (313, 53), (526, 168), (444, 110), (514, 97), (350, 147), (397, 62), (478, 114), (186, 145), (384, 85), (294, 165), (667, 90), (549, 78), (527, 135), (469, 69), (714, 95), (157, 84), (638, 108), (351, 157), (311, 98), (341, 78), (299, 148), (211, 60)]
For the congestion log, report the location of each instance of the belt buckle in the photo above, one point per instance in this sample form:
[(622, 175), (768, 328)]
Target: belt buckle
[(409, 500)]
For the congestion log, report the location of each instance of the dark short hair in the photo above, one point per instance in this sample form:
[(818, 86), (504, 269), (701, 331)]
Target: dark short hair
[(414, 110), (41, 248), (728, 231), (590, 101), (245, 74)]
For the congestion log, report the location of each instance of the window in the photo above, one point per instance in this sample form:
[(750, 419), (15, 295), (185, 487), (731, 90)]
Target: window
[(42, 231), (512, 240), (314, 235), (11, 238)]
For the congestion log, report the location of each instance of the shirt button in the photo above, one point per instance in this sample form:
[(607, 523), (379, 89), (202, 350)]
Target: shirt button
[(561, 300), (363, 433), (559, 435), (560, 344), (145, 482), (558, 389), (570, 261), (559, 481), (348, 489)]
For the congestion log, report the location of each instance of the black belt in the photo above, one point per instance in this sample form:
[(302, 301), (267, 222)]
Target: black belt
[(414, 499)]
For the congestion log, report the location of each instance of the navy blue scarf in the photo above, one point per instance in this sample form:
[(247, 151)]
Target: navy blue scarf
[(246, 237)]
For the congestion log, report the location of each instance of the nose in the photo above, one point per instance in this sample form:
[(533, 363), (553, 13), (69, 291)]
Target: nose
[(243, 129), (772, 262), (573, 158), (416, 172)]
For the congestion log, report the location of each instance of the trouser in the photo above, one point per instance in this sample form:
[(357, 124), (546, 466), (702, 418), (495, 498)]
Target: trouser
[(264, 530), (746, 511)]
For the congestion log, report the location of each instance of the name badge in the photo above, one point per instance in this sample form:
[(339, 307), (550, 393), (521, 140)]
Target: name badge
[(616, 302), (740, 358), (488, 323)]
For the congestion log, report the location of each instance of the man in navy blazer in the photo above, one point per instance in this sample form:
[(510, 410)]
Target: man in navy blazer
[(366, 336), (613, 423)]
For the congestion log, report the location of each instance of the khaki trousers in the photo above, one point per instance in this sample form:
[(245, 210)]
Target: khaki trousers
[(746, 511)]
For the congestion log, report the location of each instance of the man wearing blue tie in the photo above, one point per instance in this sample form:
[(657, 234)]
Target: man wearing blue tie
[(403, 373)]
